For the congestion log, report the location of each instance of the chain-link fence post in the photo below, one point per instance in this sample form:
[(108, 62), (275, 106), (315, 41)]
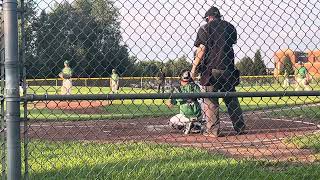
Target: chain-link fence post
[(12, 89)]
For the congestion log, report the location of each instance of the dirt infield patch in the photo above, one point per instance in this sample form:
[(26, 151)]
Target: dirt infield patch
[(79, 107), (263, 138)]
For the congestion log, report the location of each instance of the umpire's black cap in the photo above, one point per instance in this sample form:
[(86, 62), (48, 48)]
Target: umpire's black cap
[(213, 11)]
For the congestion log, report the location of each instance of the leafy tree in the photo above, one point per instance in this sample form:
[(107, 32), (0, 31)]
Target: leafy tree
[(259, 68), (30, 16), (245, 66), (172, 67), (146, 68), (287, 66), (87, 33)]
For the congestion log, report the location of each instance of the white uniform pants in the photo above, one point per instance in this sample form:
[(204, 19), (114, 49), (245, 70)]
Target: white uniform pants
[(302, 85), (286, 83), (114, 86), (179, 120), (66, 87)]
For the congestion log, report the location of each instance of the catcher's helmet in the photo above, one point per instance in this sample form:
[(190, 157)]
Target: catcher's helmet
[(185, 75)]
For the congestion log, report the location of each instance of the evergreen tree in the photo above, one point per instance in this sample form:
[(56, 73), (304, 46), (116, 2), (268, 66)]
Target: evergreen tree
[(245, 66), (259, 68), (287, 66)]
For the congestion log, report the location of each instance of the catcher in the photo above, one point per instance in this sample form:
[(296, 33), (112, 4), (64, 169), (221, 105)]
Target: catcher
[(66, 75), (190, 114)]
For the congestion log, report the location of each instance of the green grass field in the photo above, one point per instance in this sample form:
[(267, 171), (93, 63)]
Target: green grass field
[(153, 108), (92, 160), (76, 160)]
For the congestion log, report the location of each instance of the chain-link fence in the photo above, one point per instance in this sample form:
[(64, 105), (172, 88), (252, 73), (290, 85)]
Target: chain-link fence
[(105, 93), (2, 124)]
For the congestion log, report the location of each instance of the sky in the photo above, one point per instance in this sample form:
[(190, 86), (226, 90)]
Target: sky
[(166, 29)]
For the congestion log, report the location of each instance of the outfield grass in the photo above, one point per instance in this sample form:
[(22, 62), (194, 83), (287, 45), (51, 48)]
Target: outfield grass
[(40, 90), (75, 160), (116, 111)]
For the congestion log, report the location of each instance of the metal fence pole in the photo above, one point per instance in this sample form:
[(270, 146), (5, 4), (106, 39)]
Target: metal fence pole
[(12, 89)]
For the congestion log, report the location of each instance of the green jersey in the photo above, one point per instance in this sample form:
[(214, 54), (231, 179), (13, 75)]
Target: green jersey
[(66, 72), (302, 72), (189, 107), (115, 77)]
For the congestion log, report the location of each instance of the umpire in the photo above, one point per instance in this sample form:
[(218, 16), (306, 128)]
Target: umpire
[(215, 62)]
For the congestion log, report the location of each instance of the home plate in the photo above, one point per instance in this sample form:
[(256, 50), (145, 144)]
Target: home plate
[(157, 127)]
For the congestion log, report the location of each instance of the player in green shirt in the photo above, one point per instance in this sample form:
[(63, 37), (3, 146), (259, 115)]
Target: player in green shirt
[(190, 109), (66, 75), (302, 77)]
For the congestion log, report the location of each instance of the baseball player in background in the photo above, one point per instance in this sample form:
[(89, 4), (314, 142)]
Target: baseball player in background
[(302, 78), (286, 81), (66, 75), (161, 81), (114, 81)]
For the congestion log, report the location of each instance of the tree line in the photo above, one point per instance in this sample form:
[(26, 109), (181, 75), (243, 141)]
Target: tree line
[(249, 67), (87, 34), (172, 67)]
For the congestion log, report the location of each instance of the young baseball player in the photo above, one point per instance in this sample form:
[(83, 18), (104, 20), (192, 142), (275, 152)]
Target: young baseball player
[(114, 81), (190, 109), (66, 75)]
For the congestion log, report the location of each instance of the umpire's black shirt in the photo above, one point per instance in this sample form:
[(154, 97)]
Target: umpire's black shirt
[(217, 36)]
